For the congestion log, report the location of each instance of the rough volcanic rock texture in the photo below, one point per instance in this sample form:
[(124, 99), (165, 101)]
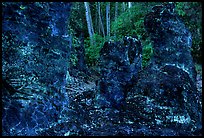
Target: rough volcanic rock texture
[(120, 63), (169, 80), (35, 55), (170, 37)]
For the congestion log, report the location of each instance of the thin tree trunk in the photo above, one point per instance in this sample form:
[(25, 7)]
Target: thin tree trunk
[(96, 19), (116, 10), (89, 22), (108, 19), (123, 6), (116, 15), (129, 4), (100, 19)]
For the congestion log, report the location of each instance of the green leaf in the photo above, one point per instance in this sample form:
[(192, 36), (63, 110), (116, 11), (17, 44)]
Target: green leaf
[(22, 7)]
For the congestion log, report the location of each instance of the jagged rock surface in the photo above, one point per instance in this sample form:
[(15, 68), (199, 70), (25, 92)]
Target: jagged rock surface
[(119, 65), (165, 96), (35, 56), (169, 81)]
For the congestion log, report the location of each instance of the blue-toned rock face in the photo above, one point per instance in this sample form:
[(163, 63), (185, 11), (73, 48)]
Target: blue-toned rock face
[(38, 38), (120, 63), (162, 99), (171, 39), (168, 83), (35, 56)]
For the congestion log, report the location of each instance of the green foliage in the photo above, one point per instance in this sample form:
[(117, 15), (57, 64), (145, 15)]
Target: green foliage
[(198, 68), (191, 14), (77, 19), (128, 23), (131, 22), (73, 56), (92, 51), (73, 59), (146, 53)]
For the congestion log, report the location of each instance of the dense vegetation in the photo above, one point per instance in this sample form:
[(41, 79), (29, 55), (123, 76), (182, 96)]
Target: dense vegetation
[(129, 21)]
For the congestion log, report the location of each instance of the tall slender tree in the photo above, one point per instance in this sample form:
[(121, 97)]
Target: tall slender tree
[(89, 22), (116, 15), (96, 19), (108, 19), (100, 19), (129, 4), (123, 6), (116, 10)]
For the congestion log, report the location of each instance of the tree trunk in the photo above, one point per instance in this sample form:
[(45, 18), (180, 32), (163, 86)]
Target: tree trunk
[(100, 19), (92, 30), (129, 4), (89, 22), (116, 15), (123, 6), (108, 18), (96, 19), (116, 10)]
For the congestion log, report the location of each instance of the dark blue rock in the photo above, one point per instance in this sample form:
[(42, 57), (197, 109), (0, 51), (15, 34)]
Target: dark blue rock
[(35, 54), (119, 64), (168, 82)]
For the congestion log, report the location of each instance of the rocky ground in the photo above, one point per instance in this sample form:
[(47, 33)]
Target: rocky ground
[(86, 118)]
